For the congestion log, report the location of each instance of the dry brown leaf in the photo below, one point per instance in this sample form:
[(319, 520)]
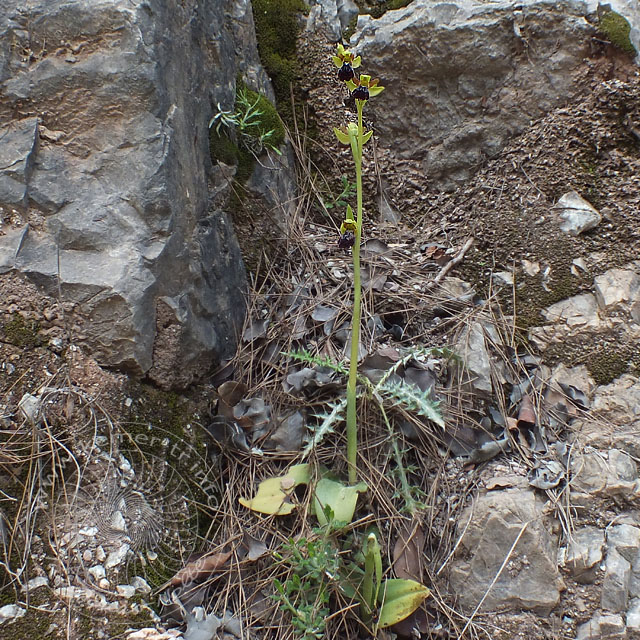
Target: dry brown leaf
[(407, 552), (230, 393), (201, 568), (526, 414)]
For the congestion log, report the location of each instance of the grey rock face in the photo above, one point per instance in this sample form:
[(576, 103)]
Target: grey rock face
[(105, 175), (530, 578), (615, 586), (584, 552), (464, 77)]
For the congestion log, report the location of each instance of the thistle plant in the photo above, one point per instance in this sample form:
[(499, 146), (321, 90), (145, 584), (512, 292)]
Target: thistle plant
[(353, 134)]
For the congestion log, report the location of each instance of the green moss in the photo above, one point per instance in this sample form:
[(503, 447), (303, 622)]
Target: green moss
[(222, 148), (606, 366), (277, 28), (21, 333), (617, 29)]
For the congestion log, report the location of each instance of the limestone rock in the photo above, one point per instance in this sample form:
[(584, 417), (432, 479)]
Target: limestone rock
[(615, 586), (612, 626), (616, 416), (605, 475), (576, 214), (633, 616), (107, 167), (584, 552), (625, 539), (530, 579), (466, 76), (616, 287)]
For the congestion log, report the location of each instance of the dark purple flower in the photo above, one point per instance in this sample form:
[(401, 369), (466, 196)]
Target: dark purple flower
[(347, 240), (346, 72), (360, 93)]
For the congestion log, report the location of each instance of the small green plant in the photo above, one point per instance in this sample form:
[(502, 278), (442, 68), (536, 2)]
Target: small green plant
[(362, 88), (314, 566), (341, 201), (253, 121)]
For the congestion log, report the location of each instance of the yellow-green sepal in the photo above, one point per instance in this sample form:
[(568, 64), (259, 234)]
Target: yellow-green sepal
[(366, 137), (337, 61), (351, 85), (374, 91), (342, 135), (357, 61)]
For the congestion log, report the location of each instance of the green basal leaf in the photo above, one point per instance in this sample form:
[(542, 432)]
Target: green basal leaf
[(340, 498), (372, 576), (400, 598), (366, 137), (273, 493), (342, 136)]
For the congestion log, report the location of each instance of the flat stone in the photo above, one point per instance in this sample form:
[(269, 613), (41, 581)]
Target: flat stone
[(625, 539), (584, 552), (577, 311), (530, 579), (11, 612), (633, 615), (612, 626), (117, 556), (617, 286), (576, 214), (126, 590), (615, 586), (589, 630)]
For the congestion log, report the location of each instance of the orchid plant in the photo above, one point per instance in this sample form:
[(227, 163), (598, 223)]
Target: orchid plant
[(362, 88)]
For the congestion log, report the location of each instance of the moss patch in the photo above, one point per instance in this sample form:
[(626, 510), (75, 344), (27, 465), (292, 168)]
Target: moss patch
[(617, 29), (277, 28), (20, 332)]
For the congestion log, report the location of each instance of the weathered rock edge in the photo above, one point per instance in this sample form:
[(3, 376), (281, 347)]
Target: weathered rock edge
[(105, 180)]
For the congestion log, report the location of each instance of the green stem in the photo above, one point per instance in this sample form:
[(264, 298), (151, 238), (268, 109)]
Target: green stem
[(352, 426)]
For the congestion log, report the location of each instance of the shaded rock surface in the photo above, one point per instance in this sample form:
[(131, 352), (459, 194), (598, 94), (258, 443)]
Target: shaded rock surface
[(479, 71), (530, 578), (105, 177)]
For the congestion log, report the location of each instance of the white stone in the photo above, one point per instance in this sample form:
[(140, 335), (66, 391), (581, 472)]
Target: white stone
[(98, 572), (29, 406), (578, 311), (11, 612), (104, 583), (34, 583), (617, 286), (141, 584), (100, 554), (126, 590), (117, 556), (577, 215)]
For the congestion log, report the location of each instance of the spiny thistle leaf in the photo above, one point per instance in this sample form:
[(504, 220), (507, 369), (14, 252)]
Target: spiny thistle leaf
[(306, 356), (411, 398), (326, 426)]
